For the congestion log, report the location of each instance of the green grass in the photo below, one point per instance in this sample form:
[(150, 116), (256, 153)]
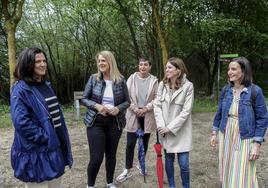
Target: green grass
[(68, 110), (5, 120), (205, 105)]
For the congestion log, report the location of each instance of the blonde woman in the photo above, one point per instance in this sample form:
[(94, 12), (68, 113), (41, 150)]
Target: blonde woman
[(172, 110), (106, 97)]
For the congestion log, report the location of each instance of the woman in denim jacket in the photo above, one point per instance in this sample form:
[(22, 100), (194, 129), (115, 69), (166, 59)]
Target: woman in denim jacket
[(241, 121)]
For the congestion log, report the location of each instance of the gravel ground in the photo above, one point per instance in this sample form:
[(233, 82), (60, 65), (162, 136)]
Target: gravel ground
[(203, 161)]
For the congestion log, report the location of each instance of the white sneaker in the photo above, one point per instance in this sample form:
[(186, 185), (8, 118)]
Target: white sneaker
[(124, 176), (140, 170), (111, 185), (89, 186)]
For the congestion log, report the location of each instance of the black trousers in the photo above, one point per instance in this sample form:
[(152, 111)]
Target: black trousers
[(131, 142), (103, 138)]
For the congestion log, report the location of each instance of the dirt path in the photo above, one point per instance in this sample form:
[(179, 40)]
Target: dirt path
[(203, 161)]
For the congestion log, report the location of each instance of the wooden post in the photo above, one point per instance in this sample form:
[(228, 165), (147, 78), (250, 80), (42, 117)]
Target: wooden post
[(77, 96)]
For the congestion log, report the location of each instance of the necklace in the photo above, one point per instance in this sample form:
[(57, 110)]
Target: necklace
[(238, 90)]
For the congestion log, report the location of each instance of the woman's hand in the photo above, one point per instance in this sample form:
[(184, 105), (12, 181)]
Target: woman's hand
[(113, 111), (163, 130), (102, 109), (255, 152), (213, 140), (141, 111)]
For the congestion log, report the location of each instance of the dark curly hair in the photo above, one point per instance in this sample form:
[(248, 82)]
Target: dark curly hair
[(24, 69)]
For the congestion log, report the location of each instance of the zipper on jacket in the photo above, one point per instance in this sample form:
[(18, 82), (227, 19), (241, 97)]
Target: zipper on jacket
[(93, 120), (118, 123)]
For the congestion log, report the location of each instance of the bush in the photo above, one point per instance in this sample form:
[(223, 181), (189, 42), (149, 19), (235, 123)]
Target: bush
[(205, 105), (5, 119)]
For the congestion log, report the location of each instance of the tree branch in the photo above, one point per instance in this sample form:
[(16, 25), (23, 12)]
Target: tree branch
[(18, 15), (5, 9)]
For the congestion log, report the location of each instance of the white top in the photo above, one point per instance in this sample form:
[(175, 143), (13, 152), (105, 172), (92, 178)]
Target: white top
[(108, 96)]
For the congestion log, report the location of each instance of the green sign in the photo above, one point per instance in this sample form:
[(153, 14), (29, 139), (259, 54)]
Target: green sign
[(222, 56)]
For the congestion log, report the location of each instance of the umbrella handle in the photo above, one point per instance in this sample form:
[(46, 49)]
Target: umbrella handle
[(157, 137)]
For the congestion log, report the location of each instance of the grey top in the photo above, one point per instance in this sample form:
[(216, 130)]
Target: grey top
[(143, 85)]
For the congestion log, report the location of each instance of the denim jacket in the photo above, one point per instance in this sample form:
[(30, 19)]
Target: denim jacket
[(253, 118), (93, 94)]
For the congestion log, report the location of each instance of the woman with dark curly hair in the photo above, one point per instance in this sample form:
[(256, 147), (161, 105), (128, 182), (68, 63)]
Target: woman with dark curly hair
[(41, 147)]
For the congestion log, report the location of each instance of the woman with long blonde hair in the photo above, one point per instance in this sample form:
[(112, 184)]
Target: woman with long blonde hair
[(106, 97)]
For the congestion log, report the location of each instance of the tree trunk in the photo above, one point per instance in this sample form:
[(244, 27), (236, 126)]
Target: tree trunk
[(11, 52), (10, 24), (160, 34)]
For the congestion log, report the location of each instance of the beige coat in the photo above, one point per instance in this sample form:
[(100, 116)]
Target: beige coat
[(175, 113), (149, 120)]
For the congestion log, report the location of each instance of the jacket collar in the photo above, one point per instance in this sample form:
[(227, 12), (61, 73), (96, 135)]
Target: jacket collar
[(244, 90), (35, 92), (24, 85)]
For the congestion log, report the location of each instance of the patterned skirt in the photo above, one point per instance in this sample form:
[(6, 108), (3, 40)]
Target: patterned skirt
[(236, 171)]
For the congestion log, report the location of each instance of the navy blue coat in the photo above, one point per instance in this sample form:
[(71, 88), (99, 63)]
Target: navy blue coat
[(36, 153)]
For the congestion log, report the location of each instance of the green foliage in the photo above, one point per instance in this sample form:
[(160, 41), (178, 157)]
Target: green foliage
[(5, 119), (205, 105), (71, 33)]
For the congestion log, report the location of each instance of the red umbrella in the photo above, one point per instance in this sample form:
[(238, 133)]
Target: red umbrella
[(159, 163)]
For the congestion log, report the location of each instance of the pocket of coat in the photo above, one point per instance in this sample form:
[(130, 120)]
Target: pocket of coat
[(246, 102), (162, 99), (179, 102)]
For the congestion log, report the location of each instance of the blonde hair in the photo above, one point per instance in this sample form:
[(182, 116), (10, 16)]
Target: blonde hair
[(115, 75)]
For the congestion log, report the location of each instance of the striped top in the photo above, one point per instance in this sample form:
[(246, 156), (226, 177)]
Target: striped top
[(53, 108), (51, 100)]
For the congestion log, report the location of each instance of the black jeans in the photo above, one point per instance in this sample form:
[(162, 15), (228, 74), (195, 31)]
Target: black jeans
[(103, 137), (131, 142)]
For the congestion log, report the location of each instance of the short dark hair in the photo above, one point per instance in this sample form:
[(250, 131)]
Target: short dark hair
[(24, 69), (246, 70), (145, 59)]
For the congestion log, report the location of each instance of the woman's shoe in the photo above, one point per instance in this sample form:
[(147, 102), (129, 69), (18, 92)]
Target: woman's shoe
[(140, 170), (124, 176), (110, 185)]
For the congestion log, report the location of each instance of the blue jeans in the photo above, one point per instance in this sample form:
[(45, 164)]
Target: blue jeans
[(183, 160)]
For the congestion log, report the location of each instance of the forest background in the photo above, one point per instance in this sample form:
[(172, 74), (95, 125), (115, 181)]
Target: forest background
[(71, 32)]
